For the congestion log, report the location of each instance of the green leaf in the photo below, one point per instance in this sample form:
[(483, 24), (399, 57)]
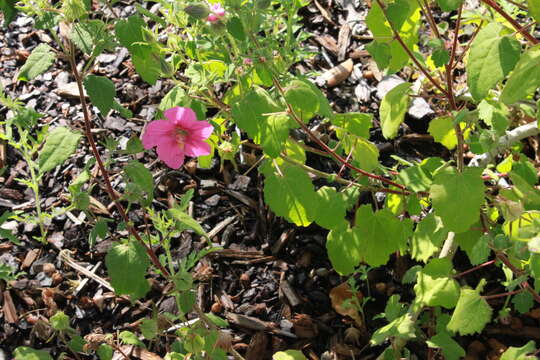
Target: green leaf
[(149, 328), (393, 108), (289, 355), (434, 290), (443, 131), (470, 302), (534, 9), (218, 321), (307, 100), (525, 78), (249, 112), (92, 37), (60, 144), (76, 344), (8, 8), (491, 58), (355, 123), (415, 178), (60, 321), (450, 348), (236, 29), (380, 52), (127, 337), (331, 209), (427, 238), (449, 5), (26, 353), (41, 58), (101, 91), (523, 302), (380, 234), (186, 222), (515, 353), (382, 33), (401, 328), (440, 57), (343, 248), (105, 352), (127, 264), (140, 175), (147, 62), (365, 153), (290, 194), (456, 215), (274, 133), (480, 251), (130, 31)]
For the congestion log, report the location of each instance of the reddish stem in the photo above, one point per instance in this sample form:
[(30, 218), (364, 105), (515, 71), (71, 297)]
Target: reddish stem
[(487, 263), (104, 172), (511, 20), (489, 297), (332, 152), (517, 272)]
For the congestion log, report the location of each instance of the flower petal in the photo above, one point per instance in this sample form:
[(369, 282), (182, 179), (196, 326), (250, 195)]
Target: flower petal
[(200, 131), (171, 154), (194, 147), (156, 132), (180, 116)]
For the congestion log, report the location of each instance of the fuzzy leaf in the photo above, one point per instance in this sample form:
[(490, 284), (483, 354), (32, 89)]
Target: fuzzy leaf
[(274, 133), (41, 58), (130, 31), (59, 146), (289, 355), (515, 353), (402, 327), (434, 290), (290, 194), (101, 91), (449, 5), (491, 58), (248, 113), (534, 9), (428, 236), (393, 108), (331, 209), (470, 302), (26, 353), (306, 100), (458, 215), (442, 130), (380, 234), (355, 123), (343, 248), (450, 348), (127, 264), (525, 78)]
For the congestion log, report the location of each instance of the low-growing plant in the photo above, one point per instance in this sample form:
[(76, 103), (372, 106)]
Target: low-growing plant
[(235, 59)]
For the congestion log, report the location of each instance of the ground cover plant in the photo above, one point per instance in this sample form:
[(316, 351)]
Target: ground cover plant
[(412, 200)]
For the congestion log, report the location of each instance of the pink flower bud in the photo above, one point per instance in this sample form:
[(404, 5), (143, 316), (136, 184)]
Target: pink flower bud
[(248, 61)]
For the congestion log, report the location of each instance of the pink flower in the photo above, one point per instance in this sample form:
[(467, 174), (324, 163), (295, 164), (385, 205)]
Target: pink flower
[(216, 12), (180, 135)]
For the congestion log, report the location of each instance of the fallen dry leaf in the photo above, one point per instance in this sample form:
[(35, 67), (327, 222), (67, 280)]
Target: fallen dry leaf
[(341, 296)]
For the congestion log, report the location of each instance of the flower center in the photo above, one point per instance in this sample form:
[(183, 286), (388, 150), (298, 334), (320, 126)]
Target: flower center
[(181, 135)]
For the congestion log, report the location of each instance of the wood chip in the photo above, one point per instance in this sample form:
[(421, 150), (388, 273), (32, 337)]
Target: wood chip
[(337, 74), (10, 313), (252, 323), (289, 293), (257, 346), (70, 91), (328, 42), (344, 39), (324, 12), (29, 259)]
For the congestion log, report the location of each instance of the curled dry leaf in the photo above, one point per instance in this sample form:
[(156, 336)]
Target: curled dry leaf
[(341, 296)]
